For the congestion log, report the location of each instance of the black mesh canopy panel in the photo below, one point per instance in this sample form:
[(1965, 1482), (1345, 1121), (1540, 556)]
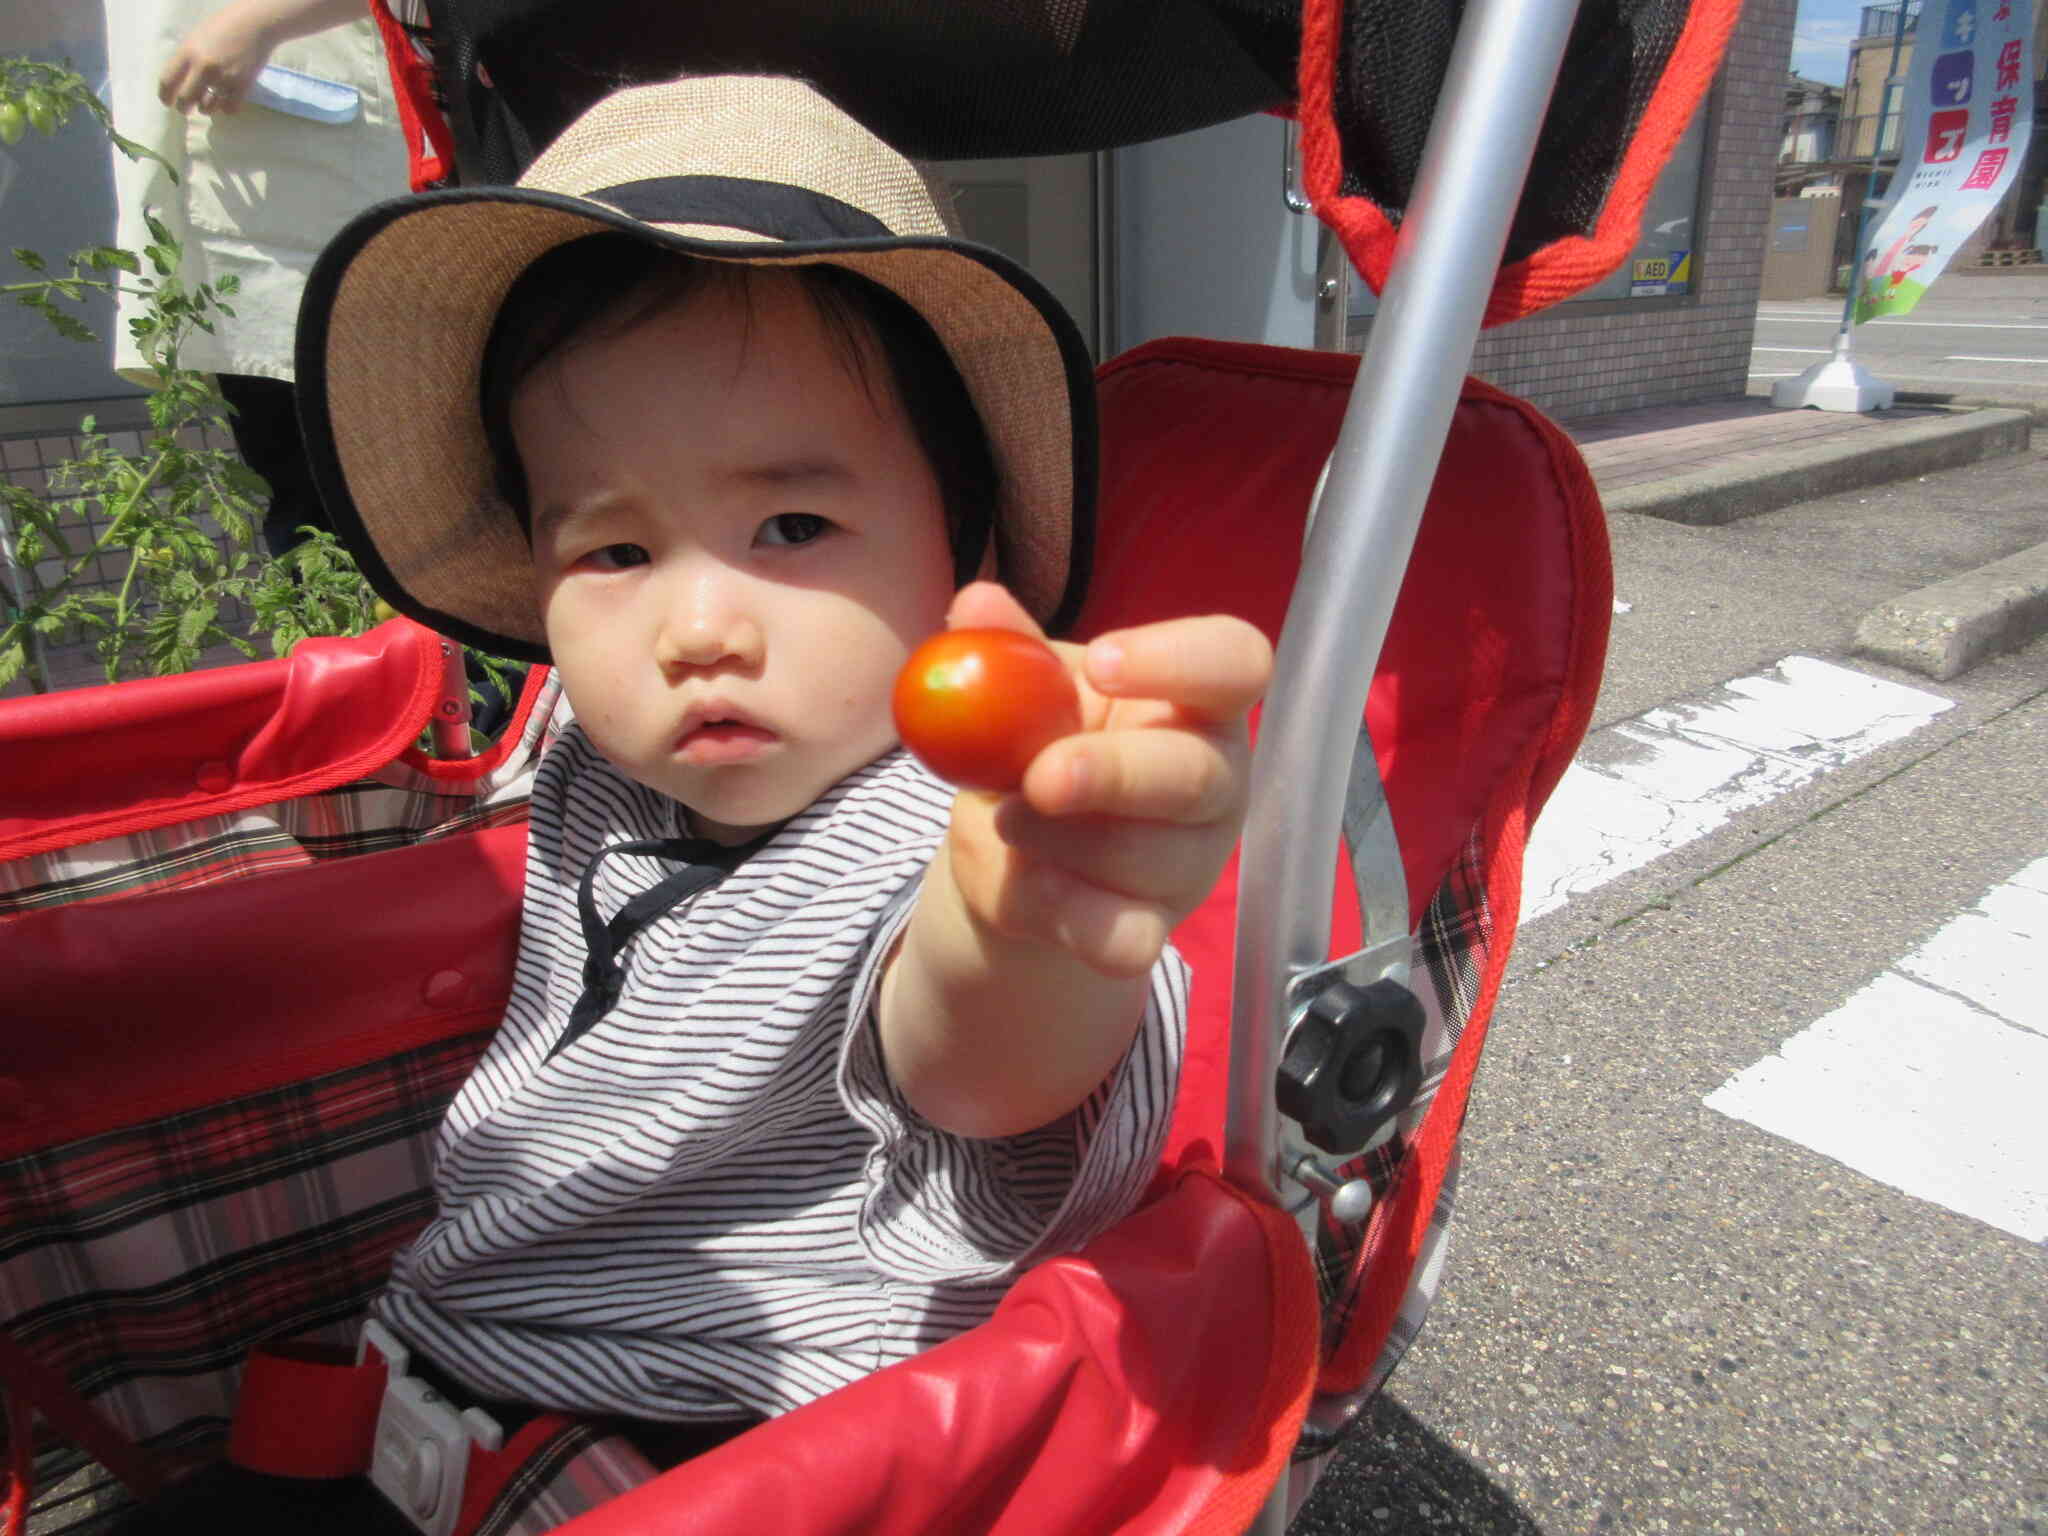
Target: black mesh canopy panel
[(939, 79), (964, 79), (1392, 63)]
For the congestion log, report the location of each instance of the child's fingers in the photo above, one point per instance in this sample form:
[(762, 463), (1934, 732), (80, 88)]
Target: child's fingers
[(1162, 774), (1147, 861), (1020, 897), (1107, 931), (1211, 668)]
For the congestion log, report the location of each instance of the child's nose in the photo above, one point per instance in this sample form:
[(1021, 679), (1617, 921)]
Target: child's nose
[(704, 624)]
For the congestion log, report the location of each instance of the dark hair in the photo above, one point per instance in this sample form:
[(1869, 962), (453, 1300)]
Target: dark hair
[(619, 280)]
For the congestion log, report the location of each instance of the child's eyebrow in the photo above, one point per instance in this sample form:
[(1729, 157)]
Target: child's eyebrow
[(797, 471), (552, 517)]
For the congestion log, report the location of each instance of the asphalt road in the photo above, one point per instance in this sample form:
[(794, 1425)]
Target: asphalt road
[(1659, 1316), (1971, 336)]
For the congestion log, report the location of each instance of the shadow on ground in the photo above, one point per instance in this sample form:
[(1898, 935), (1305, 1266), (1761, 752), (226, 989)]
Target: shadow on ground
[(1393, 1477)]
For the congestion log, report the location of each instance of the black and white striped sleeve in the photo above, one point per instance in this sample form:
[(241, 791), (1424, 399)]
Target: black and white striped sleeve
[(940, 1208)]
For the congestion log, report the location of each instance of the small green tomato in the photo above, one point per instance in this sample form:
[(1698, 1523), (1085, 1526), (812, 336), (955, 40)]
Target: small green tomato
[(42, 112)]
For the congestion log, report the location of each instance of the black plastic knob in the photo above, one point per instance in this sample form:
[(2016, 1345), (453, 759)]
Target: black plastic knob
[(1352, 1064)]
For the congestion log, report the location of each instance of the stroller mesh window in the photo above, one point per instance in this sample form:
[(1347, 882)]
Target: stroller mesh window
[(1613, 62)]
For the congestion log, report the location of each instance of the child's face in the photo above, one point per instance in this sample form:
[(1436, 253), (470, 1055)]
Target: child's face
[(737, 542)]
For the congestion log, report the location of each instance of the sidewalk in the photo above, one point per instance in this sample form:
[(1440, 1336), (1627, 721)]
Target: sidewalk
[(1727, 459), (1714, 463)]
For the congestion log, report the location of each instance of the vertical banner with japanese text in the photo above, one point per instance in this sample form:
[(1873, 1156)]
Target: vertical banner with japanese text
[(1967, 115)]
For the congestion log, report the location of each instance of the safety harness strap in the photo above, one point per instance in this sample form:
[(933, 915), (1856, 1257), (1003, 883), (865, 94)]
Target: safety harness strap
[(306, 1410)]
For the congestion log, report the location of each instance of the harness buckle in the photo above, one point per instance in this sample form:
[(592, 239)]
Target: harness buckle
[(421, 1456)]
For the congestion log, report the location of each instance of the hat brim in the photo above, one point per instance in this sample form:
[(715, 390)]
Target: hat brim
[(392, 330)]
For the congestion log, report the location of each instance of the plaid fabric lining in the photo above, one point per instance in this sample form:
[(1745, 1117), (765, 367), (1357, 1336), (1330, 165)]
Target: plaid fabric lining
[(1450, 952), (397, 806), (142, 1264)]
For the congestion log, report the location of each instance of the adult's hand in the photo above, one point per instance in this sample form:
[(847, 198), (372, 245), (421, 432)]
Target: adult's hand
[(212, 68)]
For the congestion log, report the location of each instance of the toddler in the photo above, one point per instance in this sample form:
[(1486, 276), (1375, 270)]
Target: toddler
[(806, 1053)]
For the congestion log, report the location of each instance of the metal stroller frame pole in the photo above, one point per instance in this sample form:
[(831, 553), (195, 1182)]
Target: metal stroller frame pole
[(1477, 155), (1481, 141)]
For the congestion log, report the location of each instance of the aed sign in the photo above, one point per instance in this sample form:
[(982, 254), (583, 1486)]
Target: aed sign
[(1652, 277)]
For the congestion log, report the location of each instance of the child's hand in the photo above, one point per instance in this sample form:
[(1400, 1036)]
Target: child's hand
[(1119, 831)]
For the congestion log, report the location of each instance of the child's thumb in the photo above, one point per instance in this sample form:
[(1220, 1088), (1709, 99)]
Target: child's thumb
[(989, 605)]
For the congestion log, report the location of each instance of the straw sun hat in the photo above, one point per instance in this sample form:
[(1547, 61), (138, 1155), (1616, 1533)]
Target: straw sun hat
[(750, 169)]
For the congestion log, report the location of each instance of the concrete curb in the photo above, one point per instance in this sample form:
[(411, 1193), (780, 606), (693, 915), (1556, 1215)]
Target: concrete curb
[(2033, 402), (1952, 625), (1712, 497)]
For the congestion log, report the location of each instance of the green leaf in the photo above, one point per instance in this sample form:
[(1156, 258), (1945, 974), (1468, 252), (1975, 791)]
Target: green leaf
[(135, 151), (30, 259), (194, 621), (69, 326)]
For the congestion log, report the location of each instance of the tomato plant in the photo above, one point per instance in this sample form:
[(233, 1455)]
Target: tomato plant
[(977, 705)]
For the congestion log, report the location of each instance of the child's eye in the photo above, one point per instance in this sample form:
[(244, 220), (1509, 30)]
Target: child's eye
[(617, 557), (792, 528)]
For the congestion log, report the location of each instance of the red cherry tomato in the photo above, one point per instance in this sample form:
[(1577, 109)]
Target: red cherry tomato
[(976, 705)]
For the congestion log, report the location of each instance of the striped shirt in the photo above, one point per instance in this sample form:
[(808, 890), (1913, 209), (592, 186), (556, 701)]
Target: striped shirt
[(713, 1202)]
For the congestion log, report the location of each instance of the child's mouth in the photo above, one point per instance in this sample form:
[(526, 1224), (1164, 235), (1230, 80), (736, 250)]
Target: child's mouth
[(717, 742)]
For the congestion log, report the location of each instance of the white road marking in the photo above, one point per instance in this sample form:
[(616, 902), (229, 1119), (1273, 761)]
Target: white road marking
[(1964, 357), (1816, 351), (1648, 785), (1887, 320), (1931, 1079), (1774, 375)]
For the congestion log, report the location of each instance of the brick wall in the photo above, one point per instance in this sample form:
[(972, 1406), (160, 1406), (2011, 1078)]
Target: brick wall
[(1590, 358)]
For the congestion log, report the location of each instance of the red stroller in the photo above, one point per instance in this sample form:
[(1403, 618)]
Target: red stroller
[(256, 937)]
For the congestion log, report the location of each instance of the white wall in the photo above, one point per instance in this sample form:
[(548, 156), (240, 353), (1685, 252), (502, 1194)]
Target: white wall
[(1205, 245)]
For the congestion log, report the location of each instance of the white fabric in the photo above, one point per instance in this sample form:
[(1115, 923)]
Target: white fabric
[(713, 1202), (258, 192)]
